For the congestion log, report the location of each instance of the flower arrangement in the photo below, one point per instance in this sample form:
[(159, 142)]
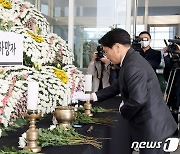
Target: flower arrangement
[(40, 45), (52, 91), (46, 59)]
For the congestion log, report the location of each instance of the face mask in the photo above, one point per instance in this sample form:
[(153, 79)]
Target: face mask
[(144, 44)]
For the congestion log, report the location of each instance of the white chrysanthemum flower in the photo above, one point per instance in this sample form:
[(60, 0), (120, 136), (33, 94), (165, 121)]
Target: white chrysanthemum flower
[(54, 121), (52, 127), (22, 141), (1, 104), (5, 121), (7, 112)]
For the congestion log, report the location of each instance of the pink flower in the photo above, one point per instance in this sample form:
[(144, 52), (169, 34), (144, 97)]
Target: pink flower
[(10, 89), (4, 101), (60, 51), (1, 110), (25, 76)]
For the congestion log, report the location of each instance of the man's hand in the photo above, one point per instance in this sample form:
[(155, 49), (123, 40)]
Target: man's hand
[(80, 96), (165, 49)]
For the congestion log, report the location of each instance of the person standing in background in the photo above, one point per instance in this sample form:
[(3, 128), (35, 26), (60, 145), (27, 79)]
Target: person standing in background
[(99, 68), (151, 55)]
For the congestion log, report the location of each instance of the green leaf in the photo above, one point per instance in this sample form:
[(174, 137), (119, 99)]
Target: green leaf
[(13, 150)]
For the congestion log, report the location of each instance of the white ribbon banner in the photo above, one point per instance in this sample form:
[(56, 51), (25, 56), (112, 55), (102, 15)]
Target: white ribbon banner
[(11, 49)]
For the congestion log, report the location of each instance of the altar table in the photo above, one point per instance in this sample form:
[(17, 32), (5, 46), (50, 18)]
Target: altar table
[(118, 132)]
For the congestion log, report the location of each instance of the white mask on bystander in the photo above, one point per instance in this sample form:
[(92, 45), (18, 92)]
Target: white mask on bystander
[(144, 44)]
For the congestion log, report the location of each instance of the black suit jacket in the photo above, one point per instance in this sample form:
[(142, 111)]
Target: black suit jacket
[(152, 56), (144, 107)]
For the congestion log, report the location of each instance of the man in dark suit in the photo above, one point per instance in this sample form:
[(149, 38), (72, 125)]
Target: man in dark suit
[(143, 106), (151, 55)]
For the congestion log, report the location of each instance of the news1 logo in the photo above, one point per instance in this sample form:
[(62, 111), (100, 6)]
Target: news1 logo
[(171, 144)]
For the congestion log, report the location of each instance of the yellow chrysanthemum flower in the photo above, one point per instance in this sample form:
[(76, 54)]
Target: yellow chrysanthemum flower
[(1, 1), (37, 38), (61, 74), (6, 4)]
